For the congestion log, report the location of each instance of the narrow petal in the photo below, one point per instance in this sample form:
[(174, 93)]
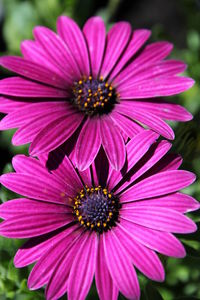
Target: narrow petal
[(139, 37), (31, 186), (21, 206), (145, 117), (83, 267), (30, 225), (117, 39), (113, 143), (132, 75), (75, 42), (104, 283), (156, 87), (162, 219), (159, 184), (120, 267), (135, 149), (159, 241), (95, 34), (126, 125), (20, 87), (143, 258), (180, 202), (88, 143), (55, 133), (58, 52), (43, 269), (31, 111), (32, 70), (161, 109), (60, 165), (146, 164), (9, 105), (33, 51)]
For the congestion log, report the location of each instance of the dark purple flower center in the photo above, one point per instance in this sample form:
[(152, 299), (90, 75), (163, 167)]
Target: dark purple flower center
[(94, 96), (96, 209)]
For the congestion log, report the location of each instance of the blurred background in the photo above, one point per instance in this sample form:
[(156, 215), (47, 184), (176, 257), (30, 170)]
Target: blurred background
[(176, 21)]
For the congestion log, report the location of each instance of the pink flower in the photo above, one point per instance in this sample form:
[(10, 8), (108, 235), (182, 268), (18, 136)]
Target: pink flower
[(98, 222), (89, 89)]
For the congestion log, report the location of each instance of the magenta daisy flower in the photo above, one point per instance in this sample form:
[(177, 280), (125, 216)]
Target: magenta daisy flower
[(99, 222), (85, 89)]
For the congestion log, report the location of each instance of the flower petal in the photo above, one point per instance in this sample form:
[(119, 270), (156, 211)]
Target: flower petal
[(30, 186), (20, 87), (83, 267), (30, 225), (120, 267), (160, 241), (113, 143), (143, 258), (75, 42), (117, 39), (159, 218), (95, 34), (55, 133), (152, 121), (58, 52), (32, 70), (104, 283), (88, 143), (8, 105), (139, 37), (159, 184)]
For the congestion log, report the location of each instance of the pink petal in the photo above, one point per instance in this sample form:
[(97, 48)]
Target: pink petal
[(19, 87), (120, 267), (113, 143), (139, 37), (32, 111), (83, 267), (127, 126), (58, 52), (160, 69), (155, 153), (34, 52), (104, 283), (143, 258), (60, 166), (160, 241), (30, 225), (164, 110), (21, 206), (159, 218), (36, 247), (32, 70), (156, 87), (59, 248), (55, 133), (159, 184), (34, 187), (88, 143), (117, 39), (95, 34), (75, 42), (135, 149), (177, 201), (9, 105), (152, 121)]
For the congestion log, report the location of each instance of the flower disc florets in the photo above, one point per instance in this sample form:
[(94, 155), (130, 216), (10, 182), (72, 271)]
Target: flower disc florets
[(96, 208), (94, 96)]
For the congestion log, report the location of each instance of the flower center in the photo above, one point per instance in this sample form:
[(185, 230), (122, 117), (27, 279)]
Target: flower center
[(93, 96), (96, 209)]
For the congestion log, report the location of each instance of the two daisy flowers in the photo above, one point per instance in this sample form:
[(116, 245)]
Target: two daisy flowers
[(102, 197)]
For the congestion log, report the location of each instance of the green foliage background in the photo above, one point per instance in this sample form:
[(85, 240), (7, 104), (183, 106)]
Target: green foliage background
[(19, 18)]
